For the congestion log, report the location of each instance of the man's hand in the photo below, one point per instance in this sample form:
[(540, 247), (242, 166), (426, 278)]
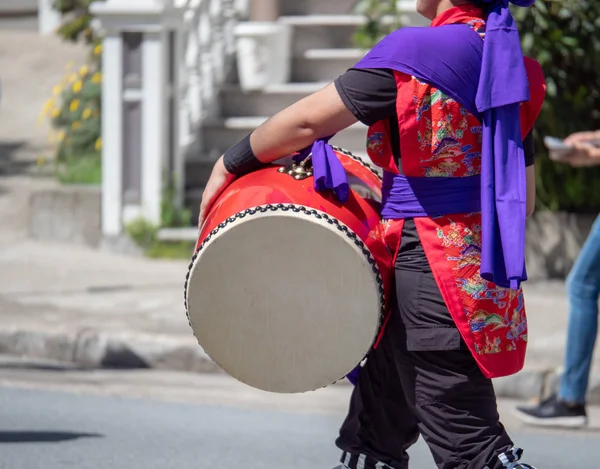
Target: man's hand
[(587, 149), (219, 179)]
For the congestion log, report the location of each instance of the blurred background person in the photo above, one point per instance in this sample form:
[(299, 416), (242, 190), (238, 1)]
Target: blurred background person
[(568, 408)]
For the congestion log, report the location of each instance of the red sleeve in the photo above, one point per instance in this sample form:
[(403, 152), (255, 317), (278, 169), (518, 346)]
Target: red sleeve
[(537, 92)]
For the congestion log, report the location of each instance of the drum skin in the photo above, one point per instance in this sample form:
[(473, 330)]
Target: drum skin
[(289, 332)]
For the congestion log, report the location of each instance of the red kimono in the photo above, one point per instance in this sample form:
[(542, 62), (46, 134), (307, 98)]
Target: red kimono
[(441, 138)]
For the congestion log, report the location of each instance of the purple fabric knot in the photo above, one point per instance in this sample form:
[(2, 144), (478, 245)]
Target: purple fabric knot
[(329, 173), (503, 78)]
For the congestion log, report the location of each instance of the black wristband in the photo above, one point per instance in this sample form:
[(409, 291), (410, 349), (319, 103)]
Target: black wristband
[(240, 159)]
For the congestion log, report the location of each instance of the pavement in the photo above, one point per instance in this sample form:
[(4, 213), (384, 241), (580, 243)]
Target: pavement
[(57, 416)]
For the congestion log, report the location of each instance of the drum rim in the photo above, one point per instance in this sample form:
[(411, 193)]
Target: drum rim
[(358, 159), (311, 212)]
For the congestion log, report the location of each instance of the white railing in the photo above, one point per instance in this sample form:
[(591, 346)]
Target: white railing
[(208, 54), (163, 64)]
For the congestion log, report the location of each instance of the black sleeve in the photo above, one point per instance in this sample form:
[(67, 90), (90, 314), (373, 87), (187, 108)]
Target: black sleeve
[(370, 94), (529, 147)]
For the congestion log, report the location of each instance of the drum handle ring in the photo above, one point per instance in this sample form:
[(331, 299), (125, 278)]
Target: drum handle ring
[(299, 171)]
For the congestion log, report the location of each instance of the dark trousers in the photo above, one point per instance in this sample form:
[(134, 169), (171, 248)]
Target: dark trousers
[(421, 380)]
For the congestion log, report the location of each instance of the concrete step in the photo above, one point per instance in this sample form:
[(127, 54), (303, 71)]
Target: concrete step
[(221, 134), (192, 200), (235, 102), (335, 31), (324, 64), (197, 171), (312, 32), (316, 7), (178, 234), (18, 7), (18, 23)]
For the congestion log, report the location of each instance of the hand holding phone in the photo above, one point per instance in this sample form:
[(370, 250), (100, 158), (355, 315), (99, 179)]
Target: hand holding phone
[(559, 150)]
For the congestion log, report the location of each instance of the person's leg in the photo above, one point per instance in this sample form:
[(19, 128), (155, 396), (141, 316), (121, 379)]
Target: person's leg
[(583, 286), (380, 426)]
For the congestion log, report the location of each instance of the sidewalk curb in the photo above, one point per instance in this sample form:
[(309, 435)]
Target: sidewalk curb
[(101, 349)]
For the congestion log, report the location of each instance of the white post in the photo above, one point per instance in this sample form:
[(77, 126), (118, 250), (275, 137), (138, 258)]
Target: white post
[(112, 135), (154, 124), (48, 18), (132, 182)]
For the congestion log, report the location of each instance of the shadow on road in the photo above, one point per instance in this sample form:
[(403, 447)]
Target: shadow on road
[(42, 437)]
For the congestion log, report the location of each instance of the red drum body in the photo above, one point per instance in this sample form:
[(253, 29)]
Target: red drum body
[(283, 292)]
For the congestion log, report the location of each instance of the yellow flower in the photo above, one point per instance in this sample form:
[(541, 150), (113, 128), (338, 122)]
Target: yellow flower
[(87, 113), (97, 77), (72, 78), (83, 71), (48, 105), (45, 112), (75, 125), (41, 161), (55, 112), (77, 86), (60, 136), (56, 90), (98, 144), (74, 105), (98, 49)]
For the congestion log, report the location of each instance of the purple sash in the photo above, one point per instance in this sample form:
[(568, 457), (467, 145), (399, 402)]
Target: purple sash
[(413, 197)]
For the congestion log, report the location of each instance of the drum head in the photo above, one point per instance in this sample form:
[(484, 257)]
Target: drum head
[(284, 301)]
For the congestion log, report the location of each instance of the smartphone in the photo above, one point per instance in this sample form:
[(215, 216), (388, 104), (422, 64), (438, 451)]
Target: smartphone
[(559, 150)]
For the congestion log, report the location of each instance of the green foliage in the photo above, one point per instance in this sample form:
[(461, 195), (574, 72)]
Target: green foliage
[(564, 36), (142, 232), (85, 169), (382, 18), (145, 234), (171, 214), (164, 250), (77, 24)]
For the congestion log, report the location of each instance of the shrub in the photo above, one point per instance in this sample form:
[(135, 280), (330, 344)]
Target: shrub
[(75, 108)]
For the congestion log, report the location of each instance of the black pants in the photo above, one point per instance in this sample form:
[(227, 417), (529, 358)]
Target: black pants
[(421, 380)]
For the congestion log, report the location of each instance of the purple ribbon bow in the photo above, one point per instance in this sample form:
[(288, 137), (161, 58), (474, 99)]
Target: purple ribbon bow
[(327, 169)]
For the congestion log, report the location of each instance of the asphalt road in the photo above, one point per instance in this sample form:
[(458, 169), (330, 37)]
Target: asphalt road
[(133, 420)]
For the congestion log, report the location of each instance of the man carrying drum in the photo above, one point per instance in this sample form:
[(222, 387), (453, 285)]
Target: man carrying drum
[(450, 110)]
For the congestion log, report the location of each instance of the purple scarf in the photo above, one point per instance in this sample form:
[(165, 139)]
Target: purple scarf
[(489, 79)]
